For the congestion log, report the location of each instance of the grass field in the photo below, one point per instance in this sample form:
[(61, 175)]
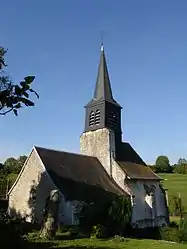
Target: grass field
[(176, 183), (104, 244)]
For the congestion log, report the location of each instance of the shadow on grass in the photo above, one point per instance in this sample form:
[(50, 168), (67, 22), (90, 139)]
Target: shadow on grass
[(55, 244), (71, 236)]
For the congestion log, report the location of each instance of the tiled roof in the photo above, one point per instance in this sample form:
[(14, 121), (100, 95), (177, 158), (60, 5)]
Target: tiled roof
[(77, 176), (132, 164), (138, 171)]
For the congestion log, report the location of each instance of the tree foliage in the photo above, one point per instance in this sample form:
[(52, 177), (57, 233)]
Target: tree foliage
[(182, 161), (12, 165), (181, 166), (113, 214), (162, 165), (175, 206), (13, 96)]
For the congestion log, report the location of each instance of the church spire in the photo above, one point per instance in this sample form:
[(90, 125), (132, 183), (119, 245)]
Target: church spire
[(103, 111), (103, 89)]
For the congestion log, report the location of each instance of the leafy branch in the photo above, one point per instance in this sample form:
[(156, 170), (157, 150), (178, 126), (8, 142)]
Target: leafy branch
[(14, 96)]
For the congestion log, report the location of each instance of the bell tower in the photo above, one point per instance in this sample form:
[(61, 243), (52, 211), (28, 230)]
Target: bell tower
[(102, 131), (103, 111)]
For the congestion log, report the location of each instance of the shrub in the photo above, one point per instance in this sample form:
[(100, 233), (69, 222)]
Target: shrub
[(13, 231), (68, 228), (170, 234), (119, 215), (11, 237), (175, 206), (114, 215), (98, 231), (74, 231), (183, 229)]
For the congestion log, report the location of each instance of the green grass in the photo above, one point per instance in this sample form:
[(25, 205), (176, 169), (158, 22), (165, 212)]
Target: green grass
[(176, 183), (104, 244)]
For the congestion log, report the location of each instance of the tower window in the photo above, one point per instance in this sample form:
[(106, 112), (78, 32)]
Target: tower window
[(91, 118), (97, 117)]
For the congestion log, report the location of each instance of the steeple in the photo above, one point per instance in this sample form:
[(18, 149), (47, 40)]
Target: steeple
[(103, 111), (103, 90)]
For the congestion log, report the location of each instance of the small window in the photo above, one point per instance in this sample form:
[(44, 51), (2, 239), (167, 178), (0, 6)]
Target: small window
[(97, 117), (91, 118)]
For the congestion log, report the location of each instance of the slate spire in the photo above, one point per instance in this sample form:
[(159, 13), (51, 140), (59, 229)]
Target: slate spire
[(103, 88), (103, 111)]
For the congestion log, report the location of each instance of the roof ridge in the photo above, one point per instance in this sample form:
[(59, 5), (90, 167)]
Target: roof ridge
[(61, 151)]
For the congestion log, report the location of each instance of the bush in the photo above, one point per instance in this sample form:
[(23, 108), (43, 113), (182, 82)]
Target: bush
[(74, 231), (175, 233), (98, 231), (183, 229), (12, 231), (175, 206), (10, 235), (114, 215), (170, 234)]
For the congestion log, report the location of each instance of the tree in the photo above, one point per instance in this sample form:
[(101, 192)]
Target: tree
[(113, 213), (20, 161), (13, 96), (175, 206), (182, 161), (12, 165), (181, 166), (152, 168), (163, 165), (120, 213), (50, 219)]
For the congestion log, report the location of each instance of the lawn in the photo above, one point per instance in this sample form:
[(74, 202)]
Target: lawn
[(176, 183), (105, 244)]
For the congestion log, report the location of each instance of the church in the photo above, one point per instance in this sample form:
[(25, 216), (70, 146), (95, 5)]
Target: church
[(105, 164)]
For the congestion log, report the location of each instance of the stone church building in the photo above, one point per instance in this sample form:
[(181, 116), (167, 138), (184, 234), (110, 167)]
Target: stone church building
[(106, 164)]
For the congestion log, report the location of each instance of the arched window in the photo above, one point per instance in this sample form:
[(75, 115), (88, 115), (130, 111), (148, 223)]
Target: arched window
[(91, 118), (97, 117)]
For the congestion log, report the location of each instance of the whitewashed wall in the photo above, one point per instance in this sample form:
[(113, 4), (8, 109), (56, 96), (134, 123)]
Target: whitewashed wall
[(101, 144)]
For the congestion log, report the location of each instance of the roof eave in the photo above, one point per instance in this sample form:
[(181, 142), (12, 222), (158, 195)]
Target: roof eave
[(95, 102)]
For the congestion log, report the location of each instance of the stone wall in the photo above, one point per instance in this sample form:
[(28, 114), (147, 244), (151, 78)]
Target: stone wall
[(28, 195), (97, 143), (101, 144)]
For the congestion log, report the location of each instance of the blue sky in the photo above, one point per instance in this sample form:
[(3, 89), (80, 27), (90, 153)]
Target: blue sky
[(58, 42)]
